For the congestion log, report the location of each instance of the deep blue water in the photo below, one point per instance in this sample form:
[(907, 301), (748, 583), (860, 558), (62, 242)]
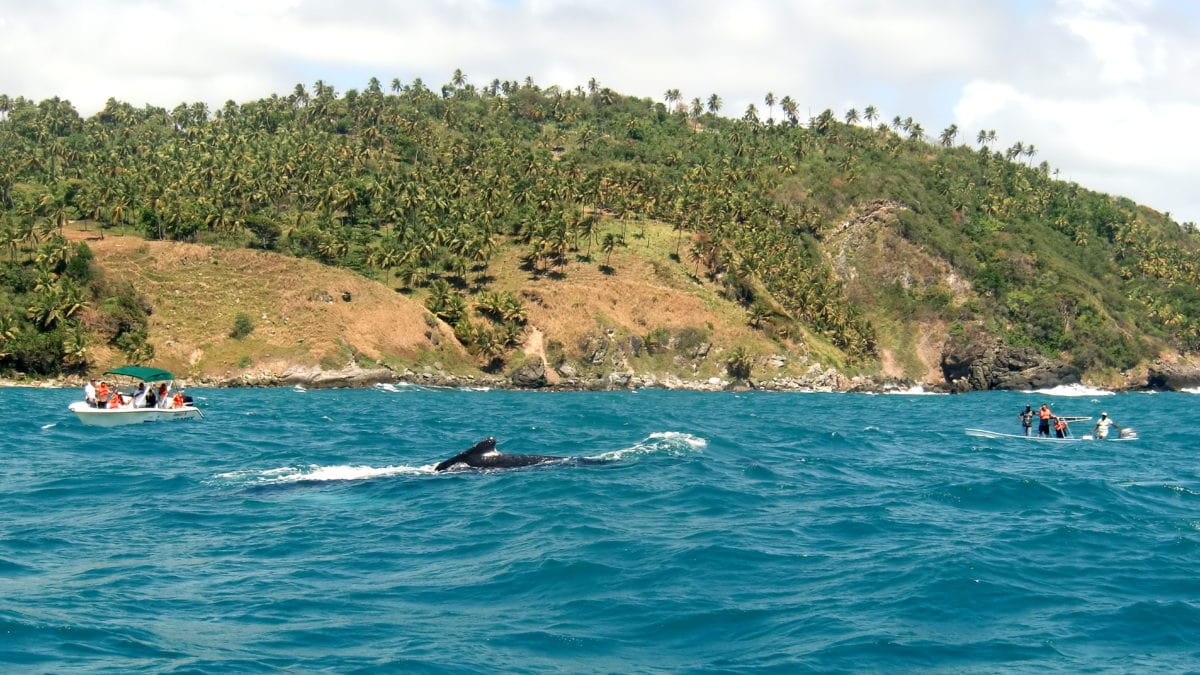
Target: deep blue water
[(755, 532)]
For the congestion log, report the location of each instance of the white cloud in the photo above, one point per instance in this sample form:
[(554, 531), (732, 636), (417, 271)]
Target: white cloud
[(1104, 88)]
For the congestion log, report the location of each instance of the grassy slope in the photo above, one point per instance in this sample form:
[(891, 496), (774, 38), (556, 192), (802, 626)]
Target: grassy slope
[(197, 291)]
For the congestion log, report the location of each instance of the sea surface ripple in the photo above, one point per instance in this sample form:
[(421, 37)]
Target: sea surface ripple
[(727, 532)]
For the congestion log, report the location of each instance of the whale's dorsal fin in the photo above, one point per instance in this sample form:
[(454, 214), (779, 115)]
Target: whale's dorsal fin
[(487, 445)]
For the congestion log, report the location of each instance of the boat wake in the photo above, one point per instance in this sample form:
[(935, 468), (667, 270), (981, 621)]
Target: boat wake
[(671, 443)]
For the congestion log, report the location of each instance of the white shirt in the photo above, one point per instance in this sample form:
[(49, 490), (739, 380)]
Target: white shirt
[(1102, 425), (89, 392), (139, 398)]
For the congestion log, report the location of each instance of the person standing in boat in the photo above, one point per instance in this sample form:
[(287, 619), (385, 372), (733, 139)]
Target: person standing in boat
[(139, 396), (1100, 431), (1026, 417), (1060, 428), (163, 400), (1044, 417), (89, 393)]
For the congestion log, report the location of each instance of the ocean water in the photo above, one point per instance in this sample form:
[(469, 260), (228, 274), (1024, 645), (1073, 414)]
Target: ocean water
[(730, 532)]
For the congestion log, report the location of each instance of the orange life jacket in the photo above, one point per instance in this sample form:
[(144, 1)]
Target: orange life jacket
[(1044, 413), (1060, 425), (115, 401), (178, 400), (102, 393)]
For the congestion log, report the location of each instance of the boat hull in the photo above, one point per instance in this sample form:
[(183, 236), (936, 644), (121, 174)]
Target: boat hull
[(115, 417), (983, 433)]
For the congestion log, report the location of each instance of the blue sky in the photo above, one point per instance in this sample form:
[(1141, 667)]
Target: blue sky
[(1106, 90)]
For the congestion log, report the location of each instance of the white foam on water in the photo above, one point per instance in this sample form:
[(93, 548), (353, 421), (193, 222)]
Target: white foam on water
[(669, 442), (49, 426), (915, 390), (396, 387), (1073, 390), (1191, 390), (315, 473)]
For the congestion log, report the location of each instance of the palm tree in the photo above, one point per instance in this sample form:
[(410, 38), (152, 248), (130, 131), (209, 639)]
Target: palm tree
[(610, 243), (870, 114), (948, 135), (673, 97), (852, 116), (714, 104), (769, 99), (458, 79), (790, 109)]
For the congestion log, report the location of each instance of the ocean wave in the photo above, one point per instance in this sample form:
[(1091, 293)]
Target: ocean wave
[(1073, 390), (915, 390)]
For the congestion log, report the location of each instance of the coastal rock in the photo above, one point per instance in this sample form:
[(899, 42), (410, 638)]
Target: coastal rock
[(530, 375), (352, 375), (1173, 376), (619, 380), (975, 361)]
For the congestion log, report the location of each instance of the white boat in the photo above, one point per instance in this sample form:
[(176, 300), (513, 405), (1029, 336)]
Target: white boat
[(1126, 434), (112, 417)]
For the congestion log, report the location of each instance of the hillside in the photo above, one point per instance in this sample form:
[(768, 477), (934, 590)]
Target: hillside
[(312, 316), (611, 234)]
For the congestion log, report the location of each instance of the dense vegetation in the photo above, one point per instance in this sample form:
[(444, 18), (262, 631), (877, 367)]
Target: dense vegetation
[(422, 187)]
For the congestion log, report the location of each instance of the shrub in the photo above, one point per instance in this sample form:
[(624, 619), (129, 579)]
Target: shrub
[(242, 326), (739, 364)]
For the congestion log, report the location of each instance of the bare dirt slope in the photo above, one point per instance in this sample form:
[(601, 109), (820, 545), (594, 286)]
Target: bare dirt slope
[(298, 307)]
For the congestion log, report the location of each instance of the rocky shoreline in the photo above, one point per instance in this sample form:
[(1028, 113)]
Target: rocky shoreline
[(991, 369)]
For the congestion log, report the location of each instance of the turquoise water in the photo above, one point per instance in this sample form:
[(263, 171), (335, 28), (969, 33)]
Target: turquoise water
[(757, 532)]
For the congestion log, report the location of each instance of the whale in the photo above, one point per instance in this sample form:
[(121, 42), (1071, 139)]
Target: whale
[(484, 455)]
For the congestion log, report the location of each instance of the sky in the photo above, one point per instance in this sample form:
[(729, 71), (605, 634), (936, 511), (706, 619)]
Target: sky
[(1105, 90)]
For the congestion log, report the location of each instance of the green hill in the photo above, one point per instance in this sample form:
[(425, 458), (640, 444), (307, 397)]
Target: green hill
[(842, 240)]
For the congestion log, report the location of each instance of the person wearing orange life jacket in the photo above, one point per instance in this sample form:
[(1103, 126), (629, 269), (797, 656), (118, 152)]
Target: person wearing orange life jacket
[(177, 402), (1044, 416), (162, 399), (1060, 428), (102, 395)]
